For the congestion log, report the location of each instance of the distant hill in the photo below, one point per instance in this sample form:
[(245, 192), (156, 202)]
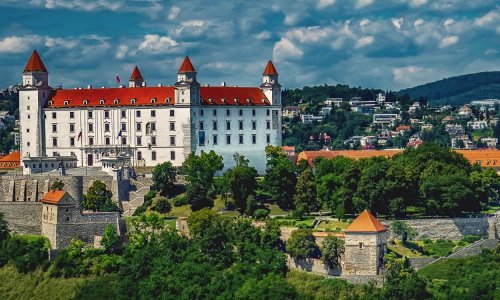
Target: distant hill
[(460, 89)]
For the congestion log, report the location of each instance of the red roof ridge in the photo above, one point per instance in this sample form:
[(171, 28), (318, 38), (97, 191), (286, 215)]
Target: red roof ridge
[(53, 196), (186, 66), (14, 156), (35, 63), (365, 222), (270, 69), (136, 74)]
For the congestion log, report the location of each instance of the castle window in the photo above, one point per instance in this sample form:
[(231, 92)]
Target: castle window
[(268, 124), (215, 139), (228, 139), (54, 127), (268, 112), (124, 126), (71, 115), (153, 100), (153, 113), (215, 112), (139, 141), (214, 125), (66, 210), (124, 113), (54, 142), (241, 125), (268, 138), (201, 112), (85, 102), (172, 140), (201, 125), (172, 126), (72, 141), (54, 115), (124, 140), (254, 139), (50, 103), (172, 155), (115, 101), (254, 125), (228, 125), (167, 100), (153, 140), (228, 112), (106, 127), (241, 112), (66, 102), (106, 114), (107, 141), (91, 141), (241, 138), (172, 113), (360, 245), (91, 127), (71, 127), (67, 219), (133, 100), (223, 100), (153, 155), (138, 113), (138, 126)]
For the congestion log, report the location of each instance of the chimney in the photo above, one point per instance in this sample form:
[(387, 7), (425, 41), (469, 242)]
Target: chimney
[(160, 85), (89, 86), (223, 83), (207, 85)]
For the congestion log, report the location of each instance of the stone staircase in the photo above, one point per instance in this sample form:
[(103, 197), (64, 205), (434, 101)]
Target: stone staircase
[(136, 195)]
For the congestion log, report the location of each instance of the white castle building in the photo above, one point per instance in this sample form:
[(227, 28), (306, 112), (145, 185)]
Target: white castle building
[(145, 125)]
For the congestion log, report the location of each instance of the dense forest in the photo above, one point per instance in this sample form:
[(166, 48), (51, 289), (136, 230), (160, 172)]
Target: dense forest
[(460, 89)]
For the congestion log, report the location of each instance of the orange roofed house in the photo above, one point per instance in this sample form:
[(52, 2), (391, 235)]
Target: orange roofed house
[(10, 161), (365, 245), (63, 220)]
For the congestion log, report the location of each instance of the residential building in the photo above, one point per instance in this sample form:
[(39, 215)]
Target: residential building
[(477, 125), (291, 111)]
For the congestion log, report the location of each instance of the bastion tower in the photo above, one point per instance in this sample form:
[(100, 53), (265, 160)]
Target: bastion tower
[(365, 245)]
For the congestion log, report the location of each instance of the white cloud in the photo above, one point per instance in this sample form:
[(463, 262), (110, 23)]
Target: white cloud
[(364, 22), (18, 44), (418, 22), (155, 43), (285, 49), (338, 43), (325, 3), (449, 22), (291, 19), (364, 41), (84, 5), (397, 22), (122, 51), (416, 3), (264, 35), (490, 17), (173, 13), (310, 34), (405, 73), (490, 52), (363, 3), (448, 41)]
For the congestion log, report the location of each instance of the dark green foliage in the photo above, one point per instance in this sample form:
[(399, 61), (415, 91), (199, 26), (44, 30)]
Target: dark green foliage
[(4, 228), (180, 200), (474, 277), (301, 244), (280, 179), (305, 199), (25, 252), (148, 200), (164, 178), (110, 238), (332, 250), (271, 286), (242, 183), (57, 185), (261, 213), (98, 198), (402, 282), (200, 171), (403, 230), (161, 205), (459, 89)]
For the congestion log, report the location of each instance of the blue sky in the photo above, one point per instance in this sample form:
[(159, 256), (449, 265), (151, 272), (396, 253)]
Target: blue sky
[(388, 44)]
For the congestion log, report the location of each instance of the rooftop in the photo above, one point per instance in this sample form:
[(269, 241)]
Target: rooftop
[(53, 197), (365, 222)]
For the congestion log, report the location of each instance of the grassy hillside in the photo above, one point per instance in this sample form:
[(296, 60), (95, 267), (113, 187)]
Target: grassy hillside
[(37, 285), (459, 89)]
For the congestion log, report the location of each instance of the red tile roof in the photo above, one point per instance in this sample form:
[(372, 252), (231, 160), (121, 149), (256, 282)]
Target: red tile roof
[(12, 157), (270, 69), (142, 96), (186, 66), (365, 222), (222, 95), (35, 64), (53, 197), (136, 74)]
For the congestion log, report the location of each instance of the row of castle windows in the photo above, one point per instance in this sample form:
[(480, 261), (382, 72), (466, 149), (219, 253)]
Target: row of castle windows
[(240, 125), (241, 139), (107, 141), (123, 113), (115, 101), (488, 162)]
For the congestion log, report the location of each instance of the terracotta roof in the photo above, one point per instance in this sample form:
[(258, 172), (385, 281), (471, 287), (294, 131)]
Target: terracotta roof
[(365, 222), (222, 95), (310, 156), (136, 74), (35, 64), (486, 157), (186, 66), (270, 69), (403, 127), (142, 96), (53, 197), (12, 157)]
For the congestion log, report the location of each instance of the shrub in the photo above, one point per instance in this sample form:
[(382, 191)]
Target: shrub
[(470, 238), (180, 200), (26, 252), (261, 213), (161, 205)]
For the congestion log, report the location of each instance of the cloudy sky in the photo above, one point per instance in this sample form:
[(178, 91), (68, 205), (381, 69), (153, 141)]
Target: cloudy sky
[(388, 44)]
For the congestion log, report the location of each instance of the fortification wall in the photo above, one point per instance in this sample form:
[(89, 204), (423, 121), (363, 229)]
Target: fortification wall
[(23, 217), (450, 228), (312, 265)]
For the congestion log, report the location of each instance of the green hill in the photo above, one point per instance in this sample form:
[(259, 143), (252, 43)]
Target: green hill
[(459, 89)]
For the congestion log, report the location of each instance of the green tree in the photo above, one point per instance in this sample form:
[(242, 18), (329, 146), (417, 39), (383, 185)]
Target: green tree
[(271, 287), (332, 250), (402, 229), (210, 230), (200, 171), (305, 199), (242, 183), (99, 198), (164, 175), (280, 179), (301, 244), (402, 282), (109, 238), (57, 185), (4, 228), (161, 205)]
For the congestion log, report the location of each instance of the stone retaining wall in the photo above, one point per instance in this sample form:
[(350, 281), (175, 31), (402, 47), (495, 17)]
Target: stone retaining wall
[(23, 217)]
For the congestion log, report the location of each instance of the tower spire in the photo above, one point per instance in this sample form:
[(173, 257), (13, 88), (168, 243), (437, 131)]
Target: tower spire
[(270, 69), (35, 64), (187, 66), (136, 79)]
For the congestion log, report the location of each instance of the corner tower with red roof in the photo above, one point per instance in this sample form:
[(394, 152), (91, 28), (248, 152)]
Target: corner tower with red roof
[(365, 245), (187, 89), (270, 85), (136, 79)]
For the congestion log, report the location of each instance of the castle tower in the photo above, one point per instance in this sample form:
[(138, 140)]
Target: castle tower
[(270, 85), (365, 245), (58, 208), (32, 98), (187, 89), (136, 79)]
